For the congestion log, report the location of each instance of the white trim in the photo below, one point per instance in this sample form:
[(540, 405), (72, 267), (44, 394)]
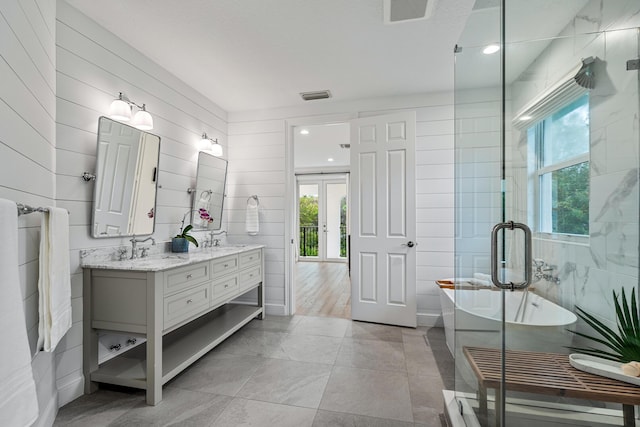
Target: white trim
[(326, 170), (48, 415), (564, 164), (275, 309), (430, 320), (70, 391)]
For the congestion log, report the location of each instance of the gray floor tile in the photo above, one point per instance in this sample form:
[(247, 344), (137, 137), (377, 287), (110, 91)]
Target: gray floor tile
[(219, 373), (251, 413), (288, 382), (374, 331), (97, 409), (252, 342), (426, 398), (369, 354), (274, 323), (304, 348), (326, 326), (338, 419), (419, 357), (380, 394), (177, 408)]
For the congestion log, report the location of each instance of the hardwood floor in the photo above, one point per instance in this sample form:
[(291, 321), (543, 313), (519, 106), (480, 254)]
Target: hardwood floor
[(323, 289)]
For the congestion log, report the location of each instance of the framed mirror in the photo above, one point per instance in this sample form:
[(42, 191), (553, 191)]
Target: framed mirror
[(124, 200), (211, 178)]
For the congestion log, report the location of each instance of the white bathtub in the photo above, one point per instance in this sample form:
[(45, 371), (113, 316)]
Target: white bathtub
[(535, 324)]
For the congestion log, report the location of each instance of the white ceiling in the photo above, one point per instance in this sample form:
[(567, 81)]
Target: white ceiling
[(322, 143), (255, 54)]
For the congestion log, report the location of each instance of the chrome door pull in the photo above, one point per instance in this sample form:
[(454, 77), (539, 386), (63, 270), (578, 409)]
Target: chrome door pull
[(527, 255)]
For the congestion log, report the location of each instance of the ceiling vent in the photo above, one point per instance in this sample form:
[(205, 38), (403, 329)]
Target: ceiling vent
[(312, 96), (396, 11), (345, 145)]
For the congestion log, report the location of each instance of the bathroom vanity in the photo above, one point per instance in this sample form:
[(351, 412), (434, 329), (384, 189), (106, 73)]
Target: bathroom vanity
[(181, 304)]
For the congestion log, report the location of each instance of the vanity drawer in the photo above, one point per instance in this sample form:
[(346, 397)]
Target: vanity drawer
[(250, 258), (224, 288), (250, 277), (184, 277), (225, 265), (185, 304)]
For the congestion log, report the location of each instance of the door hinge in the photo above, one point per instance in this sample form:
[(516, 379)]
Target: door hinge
[(633, 64)]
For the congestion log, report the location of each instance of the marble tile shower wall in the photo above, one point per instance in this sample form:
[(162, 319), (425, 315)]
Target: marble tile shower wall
[(590, 269)]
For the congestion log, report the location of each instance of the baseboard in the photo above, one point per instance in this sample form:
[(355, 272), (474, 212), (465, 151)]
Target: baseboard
[(275, 310), (430, 320), (70, 391), (48, 415)]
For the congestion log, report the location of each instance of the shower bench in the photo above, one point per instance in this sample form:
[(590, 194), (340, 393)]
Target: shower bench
[(549, 374)]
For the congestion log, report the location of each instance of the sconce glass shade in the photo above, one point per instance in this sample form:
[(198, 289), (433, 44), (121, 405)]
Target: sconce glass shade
[(120, 110), (142, 120), (216, 149)]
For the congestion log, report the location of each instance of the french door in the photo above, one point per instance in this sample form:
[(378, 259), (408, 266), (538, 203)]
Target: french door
[(322, 217)]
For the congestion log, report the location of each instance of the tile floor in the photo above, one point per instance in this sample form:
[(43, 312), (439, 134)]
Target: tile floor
[(292, 371)]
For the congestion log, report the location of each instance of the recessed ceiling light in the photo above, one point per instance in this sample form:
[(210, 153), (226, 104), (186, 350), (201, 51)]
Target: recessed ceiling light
[(304, 132), (492, 48), (330, 159), (525, 118)]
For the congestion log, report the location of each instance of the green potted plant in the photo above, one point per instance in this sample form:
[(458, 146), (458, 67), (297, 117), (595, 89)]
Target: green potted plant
[(180, 243), (624, 344)]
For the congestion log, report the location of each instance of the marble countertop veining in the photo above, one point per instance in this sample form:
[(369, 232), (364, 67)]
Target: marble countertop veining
[(164, 261)]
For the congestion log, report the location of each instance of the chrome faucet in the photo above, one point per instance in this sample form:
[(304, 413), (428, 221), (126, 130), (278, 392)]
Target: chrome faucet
[(134, 248), (215, 242)]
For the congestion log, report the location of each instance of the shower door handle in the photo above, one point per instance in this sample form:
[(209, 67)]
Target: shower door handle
[(527, 255)]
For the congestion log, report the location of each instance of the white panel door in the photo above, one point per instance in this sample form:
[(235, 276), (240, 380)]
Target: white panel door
[(383, 219), (119, 153)]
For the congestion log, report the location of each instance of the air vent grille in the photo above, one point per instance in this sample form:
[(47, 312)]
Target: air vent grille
[(318, 94)]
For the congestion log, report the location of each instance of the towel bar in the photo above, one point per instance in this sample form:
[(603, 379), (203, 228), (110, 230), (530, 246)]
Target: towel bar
[(26, 209)]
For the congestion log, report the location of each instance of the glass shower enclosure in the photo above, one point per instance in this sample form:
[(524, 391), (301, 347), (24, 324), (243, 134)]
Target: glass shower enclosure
[(547, 203)]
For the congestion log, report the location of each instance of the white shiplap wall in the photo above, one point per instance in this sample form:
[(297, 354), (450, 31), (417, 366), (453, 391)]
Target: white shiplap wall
[(257, 154), (92, 67), (27, 154)]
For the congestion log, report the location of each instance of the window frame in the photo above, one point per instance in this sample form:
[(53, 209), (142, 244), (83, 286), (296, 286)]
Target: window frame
[(544, 223)]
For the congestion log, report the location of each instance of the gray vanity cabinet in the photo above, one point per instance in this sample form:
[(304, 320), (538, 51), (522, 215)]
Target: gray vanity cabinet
[(183, 313)]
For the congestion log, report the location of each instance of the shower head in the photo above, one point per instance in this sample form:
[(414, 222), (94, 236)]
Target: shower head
[(585, 76)]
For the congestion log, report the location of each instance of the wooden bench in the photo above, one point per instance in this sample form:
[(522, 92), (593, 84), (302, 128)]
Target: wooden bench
[(549, 374)]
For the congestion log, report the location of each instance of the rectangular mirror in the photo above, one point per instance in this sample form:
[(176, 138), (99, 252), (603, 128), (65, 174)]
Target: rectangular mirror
[(209, 193), (124, 200)]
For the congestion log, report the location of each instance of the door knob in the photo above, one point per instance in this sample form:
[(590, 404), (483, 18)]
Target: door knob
[(409, 244)]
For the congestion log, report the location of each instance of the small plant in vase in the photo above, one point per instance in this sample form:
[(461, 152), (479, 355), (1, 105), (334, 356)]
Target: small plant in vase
[(180, 243)]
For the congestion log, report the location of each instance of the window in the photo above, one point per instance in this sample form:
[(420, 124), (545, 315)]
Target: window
[(561, 143)]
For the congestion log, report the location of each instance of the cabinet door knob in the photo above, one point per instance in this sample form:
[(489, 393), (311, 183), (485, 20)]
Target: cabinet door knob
[(189, 276), (226, 265), (189, 301), (226, 286)]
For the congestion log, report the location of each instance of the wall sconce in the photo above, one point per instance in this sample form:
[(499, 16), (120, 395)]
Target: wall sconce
[(121, 109), (211, 145)]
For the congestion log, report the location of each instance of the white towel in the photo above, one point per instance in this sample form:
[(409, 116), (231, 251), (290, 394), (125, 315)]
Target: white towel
[(18, 399), (252, 221), (54, 283)]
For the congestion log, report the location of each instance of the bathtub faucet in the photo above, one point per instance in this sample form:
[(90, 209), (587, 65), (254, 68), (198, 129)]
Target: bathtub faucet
[(542, 270)]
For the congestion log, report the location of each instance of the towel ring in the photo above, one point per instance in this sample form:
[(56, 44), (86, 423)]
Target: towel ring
[(208, 194), (251, 199)]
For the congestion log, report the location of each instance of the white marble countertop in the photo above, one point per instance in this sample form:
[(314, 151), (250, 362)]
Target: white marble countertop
[(164, 261)]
